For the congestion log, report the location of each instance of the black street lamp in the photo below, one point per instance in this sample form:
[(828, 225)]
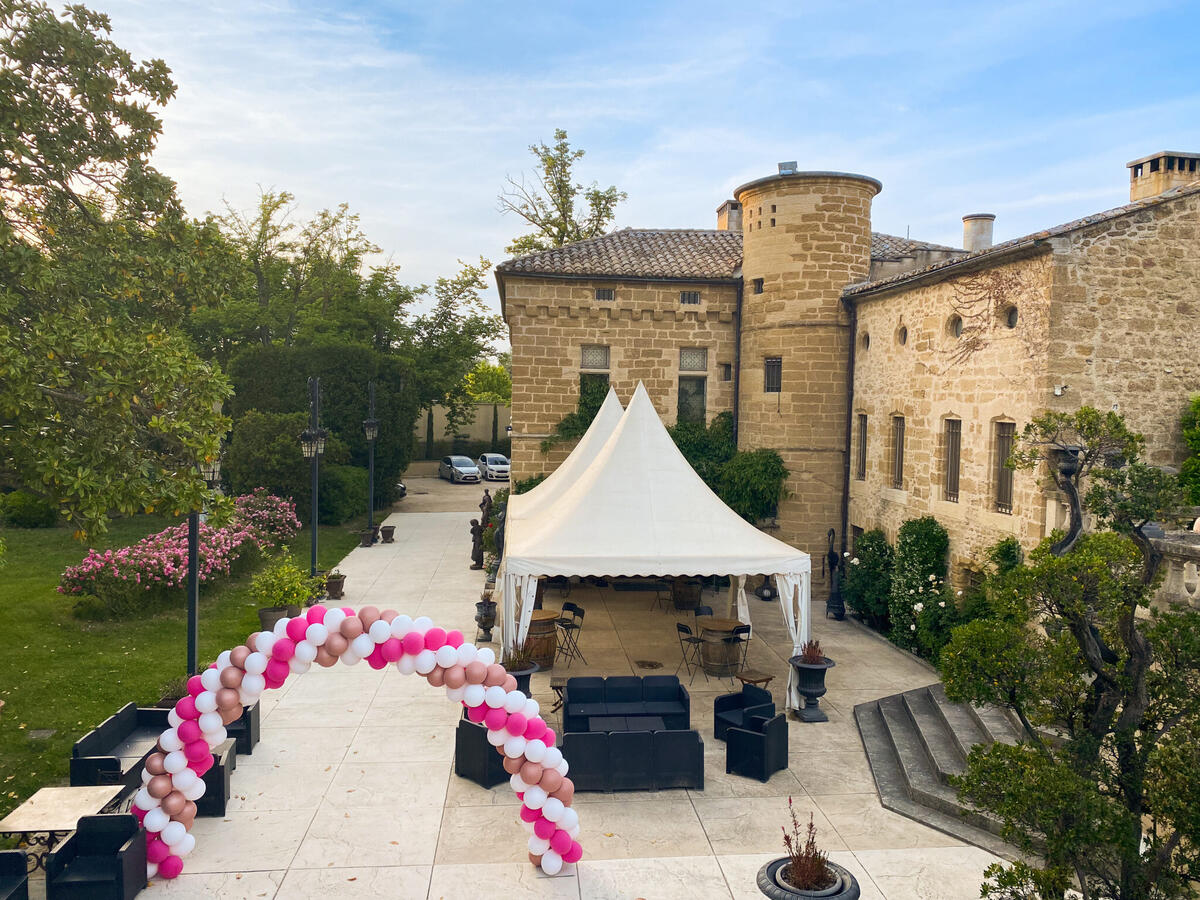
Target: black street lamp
[(211, 472), (312, 445), (371, 430)]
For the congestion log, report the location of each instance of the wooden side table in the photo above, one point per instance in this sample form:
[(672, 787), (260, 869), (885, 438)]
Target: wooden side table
[(753, 676)]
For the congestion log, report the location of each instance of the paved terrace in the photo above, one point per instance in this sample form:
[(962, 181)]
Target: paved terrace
[(351, 792)]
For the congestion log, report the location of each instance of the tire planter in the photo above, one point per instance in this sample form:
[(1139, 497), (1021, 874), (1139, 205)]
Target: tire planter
[(810, 682), (268, 616), (771, 885)]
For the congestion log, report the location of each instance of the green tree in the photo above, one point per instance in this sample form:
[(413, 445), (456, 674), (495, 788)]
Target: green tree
[(489, 383), (103, 404), (550, 204), (1189, 475), (1112, 798)]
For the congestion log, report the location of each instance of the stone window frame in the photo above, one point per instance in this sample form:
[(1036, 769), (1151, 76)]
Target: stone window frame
[(860, 449), (902, 334), (758, 285), (773, 385), (950, 453), (703, 358), (726, 371), (954, 326), (899, 425), (611, 292), (864, 340), (1011, 316), (689, 298), (595, 367), (1003, 481)]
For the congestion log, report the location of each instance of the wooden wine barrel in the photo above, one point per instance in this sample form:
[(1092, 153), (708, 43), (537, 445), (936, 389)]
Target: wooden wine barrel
[(718, 656), (542, 640)]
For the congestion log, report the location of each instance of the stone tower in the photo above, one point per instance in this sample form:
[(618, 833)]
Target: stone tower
[(806, 236)]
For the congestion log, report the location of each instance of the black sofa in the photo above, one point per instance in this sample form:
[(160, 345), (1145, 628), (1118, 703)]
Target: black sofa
[(14, 883), (627, 696), (474, 758), (759, 750), (733, 710), (115, 750), (635, 760), (104, 859)]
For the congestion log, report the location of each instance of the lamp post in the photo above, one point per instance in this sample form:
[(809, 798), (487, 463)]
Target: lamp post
[(211, 472), (371, 430), (312, 444)]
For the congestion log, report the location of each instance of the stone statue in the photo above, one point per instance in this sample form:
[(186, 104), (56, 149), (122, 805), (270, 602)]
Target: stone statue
[(476, 544), (485, 508), (500, 536)]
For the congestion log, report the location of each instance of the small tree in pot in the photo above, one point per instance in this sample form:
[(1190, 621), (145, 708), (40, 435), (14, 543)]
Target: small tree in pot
[(805, 871), (811, 666), (281, 589)]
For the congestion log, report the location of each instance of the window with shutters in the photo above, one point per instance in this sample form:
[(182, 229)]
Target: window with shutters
[(594, 356), (689, 297), (860, 459), (1005, 434), (773, 374), (952, 449), (898, 452), (693, 359)]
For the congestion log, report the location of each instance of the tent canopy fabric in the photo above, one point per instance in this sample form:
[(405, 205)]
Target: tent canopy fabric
[(637, 508)]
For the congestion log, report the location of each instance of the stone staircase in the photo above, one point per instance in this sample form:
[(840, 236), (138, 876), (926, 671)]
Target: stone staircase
[(915, 741)]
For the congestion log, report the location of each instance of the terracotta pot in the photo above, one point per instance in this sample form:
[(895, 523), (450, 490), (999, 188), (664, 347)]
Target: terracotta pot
[(771, 884)]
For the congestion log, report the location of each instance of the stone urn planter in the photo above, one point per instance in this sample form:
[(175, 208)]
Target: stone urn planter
[(388, 532), (366, 537), (335, 584), (810, 681), (485, 617), (772, 884), (523, 676), (268, 616)]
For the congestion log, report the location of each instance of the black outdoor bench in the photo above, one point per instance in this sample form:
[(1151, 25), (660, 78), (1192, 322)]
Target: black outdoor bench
[(14, 882), (734, 710), (246, 729), (626, 696), (474, 758), (104, 859), (115, 750), (635, 760)]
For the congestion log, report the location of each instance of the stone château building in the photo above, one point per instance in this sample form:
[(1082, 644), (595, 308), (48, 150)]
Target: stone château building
[(890, 374)]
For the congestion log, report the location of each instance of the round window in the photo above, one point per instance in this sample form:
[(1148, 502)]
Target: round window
[(902, 334), (955, 326), (865, 340), (1010, 317)]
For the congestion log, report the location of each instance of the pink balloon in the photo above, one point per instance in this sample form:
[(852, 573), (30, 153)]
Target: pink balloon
[(531, 772), (186, 708), (296, 628), (512, 766), (388, 614), (476, 672), (456, 677), (195, 687), (391, 649), (435, 638), (189, 731), (516, 724), (316, 614), (138, 812), (530, 815), (156, 849), (202, 767), (375, 658), (476, 713), (495, 675), (560, 843), (550, 781), (495, 719), (437, 677), (170, 867), (534, 728), (347, 610), (414, 643), (544, 829), (510, 684), (196, 751), (273, 683), (285, 648), (368, 615), (574, 854), (455, 638), (549, 737), (277, 670), (351, 627)]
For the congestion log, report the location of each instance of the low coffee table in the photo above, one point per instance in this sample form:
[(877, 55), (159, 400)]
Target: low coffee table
[(626, 723), (753, 676), (53, 813)]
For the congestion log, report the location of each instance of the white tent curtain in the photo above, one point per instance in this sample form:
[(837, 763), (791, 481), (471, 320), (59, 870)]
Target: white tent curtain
[(528, 599), (793, 593), (743, 608)]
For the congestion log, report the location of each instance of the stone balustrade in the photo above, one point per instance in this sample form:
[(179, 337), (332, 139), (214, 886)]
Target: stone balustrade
[(1181, 565)]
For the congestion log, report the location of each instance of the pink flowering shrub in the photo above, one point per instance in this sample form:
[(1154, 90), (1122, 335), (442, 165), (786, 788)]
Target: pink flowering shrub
[(123, 581)]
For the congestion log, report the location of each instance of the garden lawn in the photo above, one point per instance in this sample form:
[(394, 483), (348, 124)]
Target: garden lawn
[(62, 674)]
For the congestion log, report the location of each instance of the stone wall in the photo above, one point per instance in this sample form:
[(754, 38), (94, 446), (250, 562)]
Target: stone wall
[(644, 327)]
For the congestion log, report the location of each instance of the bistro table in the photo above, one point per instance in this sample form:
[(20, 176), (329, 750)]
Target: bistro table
[(718, 655), (53, 813), (626, 723)]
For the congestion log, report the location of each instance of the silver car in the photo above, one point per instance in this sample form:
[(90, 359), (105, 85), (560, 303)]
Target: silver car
[(457, 469), (494, 467)]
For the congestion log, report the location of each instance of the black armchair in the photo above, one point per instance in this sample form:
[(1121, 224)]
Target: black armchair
[(588, 753), (731, 710), (678, 760), (759, 750), (105, 859), (474, 758), (14, 883)]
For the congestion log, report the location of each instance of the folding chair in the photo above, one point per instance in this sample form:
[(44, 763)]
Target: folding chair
[(689, 648), (741, 635), (569, 629)]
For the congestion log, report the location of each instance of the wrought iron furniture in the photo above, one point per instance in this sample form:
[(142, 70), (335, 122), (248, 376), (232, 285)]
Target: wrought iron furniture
[(569, 629), (689, 648)]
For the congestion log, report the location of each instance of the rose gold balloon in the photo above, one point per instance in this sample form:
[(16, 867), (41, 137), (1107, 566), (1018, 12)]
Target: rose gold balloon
[(456, 677), (352, 627), (231, 677), (550, 781), (188, 816), (252, 642), (159, 786), (513, 766), (325, 658), (536, 860), (174, 803), (230, 715), (388, 614), (227, 698), (437, 677), (510, 684), (237, 656), (531, 773), (565, 792), (154, 764), (476, 672), (336, 644), (495, 675), (368, 615)]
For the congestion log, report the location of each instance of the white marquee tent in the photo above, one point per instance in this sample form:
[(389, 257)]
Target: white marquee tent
[(637, 508)]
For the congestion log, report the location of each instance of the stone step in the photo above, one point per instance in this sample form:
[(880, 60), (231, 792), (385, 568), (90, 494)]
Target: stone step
[(892, 786), (964, 730), (940, 746), (995, 723)]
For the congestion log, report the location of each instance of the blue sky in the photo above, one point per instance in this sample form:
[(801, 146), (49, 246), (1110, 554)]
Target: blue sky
[(414, 113)]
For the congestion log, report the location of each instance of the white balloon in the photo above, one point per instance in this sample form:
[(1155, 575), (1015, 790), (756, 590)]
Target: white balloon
[(211, 679), (298, 666), (362, 645), (535, 797), (532, 708), (316, 634), (184, 847), (406, 665), (216, 738), (514, 702), (156, 820), (535, 750), (514, 747), (553, 809), (518, 784), (573, 831), (175, 761), (266, 642), (173, 833), (486, 655), (379, 631), (151, 870), (538, 846), (456, 694), (350, 658), (210, 721), (256, 664), (183, 780), (143, 800), (497, 738), (306, 651), (552, 757), (333, 619), (280, 629), (495, 696), (422, 624), (223, 660), (206, 701), (196, 791), (169, 740), (401, 625), (552, 863), (146, 776), (569, 819), (562, 768), (174, 719), (466, 654), (253, 684), (446, 656), (426, 662), (473, 694)]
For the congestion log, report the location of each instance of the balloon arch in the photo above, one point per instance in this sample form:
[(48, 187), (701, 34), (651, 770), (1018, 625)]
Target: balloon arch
[(173, 777)]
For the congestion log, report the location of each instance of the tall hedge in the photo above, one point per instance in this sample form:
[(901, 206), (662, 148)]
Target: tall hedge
[(918, 581)]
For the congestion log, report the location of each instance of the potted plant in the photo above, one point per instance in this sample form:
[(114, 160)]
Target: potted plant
[(387, 533), (805, 871), (281, 589), (520, 665), (485, 615), (811, 666), (335, 584), (171, 692)]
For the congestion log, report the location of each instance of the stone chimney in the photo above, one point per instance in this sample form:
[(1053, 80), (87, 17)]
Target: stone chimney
[(977, 231), (729, 216), (1159, 172)]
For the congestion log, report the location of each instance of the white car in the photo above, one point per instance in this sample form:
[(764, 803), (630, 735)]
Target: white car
[(494, 467), (457, 469)]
